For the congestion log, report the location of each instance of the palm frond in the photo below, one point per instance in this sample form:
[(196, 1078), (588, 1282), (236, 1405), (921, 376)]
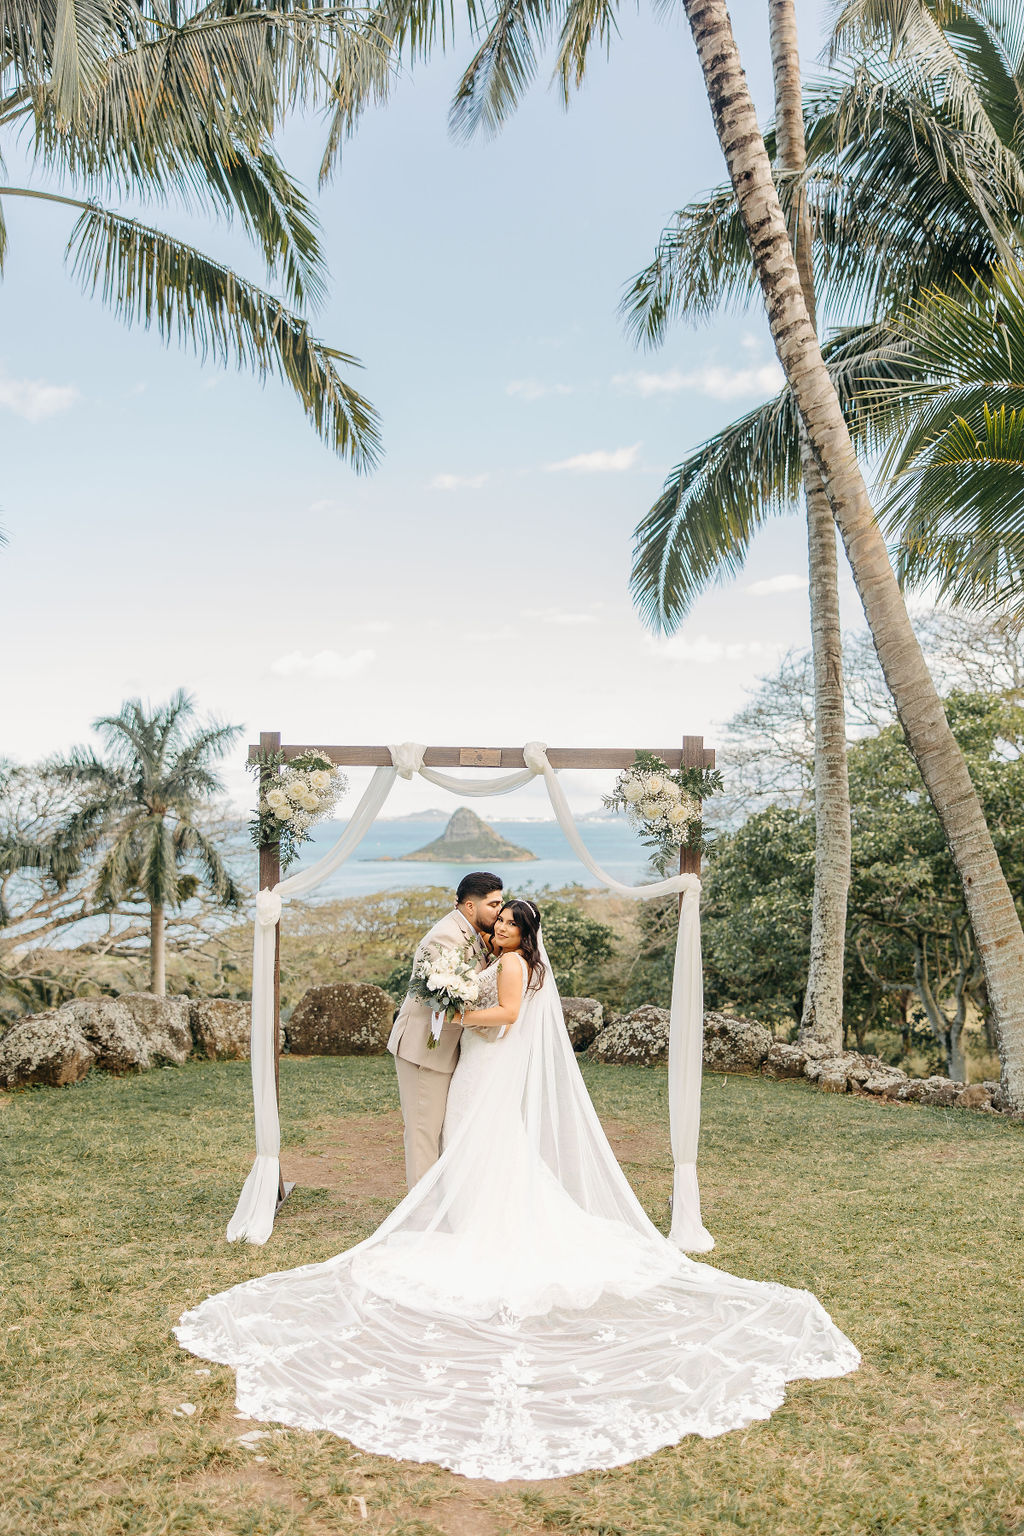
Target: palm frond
[(502, 68), (699, 530), (587, 23), (146, 276)]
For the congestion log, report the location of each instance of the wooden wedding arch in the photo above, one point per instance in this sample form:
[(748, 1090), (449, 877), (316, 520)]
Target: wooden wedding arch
[(691, 754)]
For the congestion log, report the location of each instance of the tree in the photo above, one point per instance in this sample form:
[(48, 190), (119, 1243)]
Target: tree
[(990, 905), (146, 799), (155, 101), (914, 186), (495, 78), (576, 943), (822, 1018)]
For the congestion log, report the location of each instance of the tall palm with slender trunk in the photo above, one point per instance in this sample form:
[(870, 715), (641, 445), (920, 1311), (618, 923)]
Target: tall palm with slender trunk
[(989, 901), (144, 800), (822, 1018)]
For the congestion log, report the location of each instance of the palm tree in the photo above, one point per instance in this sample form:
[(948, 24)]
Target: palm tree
[(877, 233), (915, 184), (502, 66), (146, 800), (154, 99), (989, 901), (822, 1015)]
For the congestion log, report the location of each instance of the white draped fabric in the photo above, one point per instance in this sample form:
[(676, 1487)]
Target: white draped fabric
[(253, 1219)]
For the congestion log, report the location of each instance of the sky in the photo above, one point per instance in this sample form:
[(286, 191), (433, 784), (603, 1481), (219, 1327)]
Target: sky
[(172, 524)]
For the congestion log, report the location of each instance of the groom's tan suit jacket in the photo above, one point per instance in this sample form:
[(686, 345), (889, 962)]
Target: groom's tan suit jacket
[(411, 1028)]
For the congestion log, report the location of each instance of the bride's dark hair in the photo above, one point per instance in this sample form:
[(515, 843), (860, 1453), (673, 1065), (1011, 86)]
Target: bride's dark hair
[(527, 919)]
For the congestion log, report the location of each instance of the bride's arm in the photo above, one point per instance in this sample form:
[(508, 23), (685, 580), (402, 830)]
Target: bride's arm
[(510, 992)]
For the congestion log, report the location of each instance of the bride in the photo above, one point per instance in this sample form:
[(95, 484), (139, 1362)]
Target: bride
[(517, 1315)]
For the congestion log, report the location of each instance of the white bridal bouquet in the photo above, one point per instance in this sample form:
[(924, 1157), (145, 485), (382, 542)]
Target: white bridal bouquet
[(300, 793), (659, 804), (445, 979)]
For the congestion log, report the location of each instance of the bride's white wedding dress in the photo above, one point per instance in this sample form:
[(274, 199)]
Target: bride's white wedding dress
[(518, 1315)]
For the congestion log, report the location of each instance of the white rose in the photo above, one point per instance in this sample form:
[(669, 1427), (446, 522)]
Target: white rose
[(655, 784), (295, 790), (670, 790), (276, 798), (320, 780), (679, 815), (633, 790), (283, 812), (434, 982), (651, 809), (309, 801)]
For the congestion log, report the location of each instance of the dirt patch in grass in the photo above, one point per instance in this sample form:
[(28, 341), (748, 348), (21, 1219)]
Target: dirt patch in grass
[(349, 1153)]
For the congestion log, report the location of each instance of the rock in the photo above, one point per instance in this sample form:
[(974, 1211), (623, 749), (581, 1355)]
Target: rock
[(584, 1019), (974, 1096), (163, 1023), (832, 1073), (468, 839), (873, 1075), (45, 1048), (220, 1028), (350, 1018), (638, 1039), (929, 1090), (735, 1044), (834, 1076), (1000, 1097), (886, 1081), (784, 1060), (111, 1030)]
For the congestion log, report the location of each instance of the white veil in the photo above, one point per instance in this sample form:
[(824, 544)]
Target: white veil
[(518, 1314)]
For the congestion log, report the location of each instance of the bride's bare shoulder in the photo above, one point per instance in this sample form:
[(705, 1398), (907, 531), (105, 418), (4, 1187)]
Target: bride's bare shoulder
[(512, 955)]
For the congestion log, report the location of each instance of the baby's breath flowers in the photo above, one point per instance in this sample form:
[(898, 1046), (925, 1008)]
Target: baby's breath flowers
[(664, 807), (296, 796)]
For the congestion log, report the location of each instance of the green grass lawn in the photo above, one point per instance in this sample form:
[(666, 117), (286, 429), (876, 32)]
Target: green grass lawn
[(906, 1222)]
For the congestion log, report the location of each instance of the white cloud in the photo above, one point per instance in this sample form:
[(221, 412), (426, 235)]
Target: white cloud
[(533, 389), (788, 582), (712, 379), (34, 399), (703, 651), (457, 482), (322, 664), (601, 461)]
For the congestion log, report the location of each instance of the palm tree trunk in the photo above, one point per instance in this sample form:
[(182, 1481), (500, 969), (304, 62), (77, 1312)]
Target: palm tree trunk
[(822, 1018), (989, 902), (157, 951)]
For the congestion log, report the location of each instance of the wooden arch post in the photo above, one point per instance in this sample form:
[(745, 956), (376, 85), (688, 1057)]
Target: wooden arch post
[(693, 754)]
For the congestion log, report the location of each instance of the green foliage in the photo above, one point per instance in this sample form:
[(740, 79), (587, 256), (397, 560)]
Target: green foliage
[(182, 102), (145, 799), (577, 944), (264, 828), (697, 783), (915, 188), (911, 958)]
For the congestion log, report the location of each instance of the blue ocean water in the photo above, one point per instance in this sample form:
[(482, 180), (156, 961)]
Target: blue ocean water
[(371, 868)]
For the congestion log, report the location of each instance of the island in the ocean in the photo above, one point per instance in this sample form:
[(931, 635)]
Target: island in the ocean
[(467, 839)]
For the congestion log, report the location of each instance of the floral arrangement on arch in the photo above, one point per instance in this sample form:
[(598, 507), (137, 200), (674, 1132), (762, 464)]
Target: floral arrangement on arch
[(293, 797), (662, 805)]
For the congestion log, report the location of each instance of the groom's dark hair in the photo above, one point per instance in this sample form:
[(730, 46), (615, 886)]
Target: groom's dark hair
[(479, 883)]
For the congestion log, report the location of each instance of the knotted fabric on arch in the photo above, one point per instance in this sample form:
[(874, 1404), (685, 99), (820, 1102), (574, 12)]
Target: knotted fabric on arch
[(253, 1219)]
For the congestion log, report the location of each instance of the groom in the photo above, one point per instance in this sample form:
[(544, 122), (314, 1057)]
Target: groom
[(424, 1074)]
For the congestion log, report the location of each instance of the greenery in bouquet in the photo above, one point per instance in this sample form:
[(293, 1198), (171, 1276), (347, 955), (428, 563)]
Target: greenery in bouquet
[(446, 979), (293, 797), (663, 806)]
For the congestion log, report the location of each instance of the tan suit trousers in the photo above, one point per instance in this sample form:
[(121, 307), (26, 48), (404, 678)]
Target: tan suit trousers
[(423, 1094)]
